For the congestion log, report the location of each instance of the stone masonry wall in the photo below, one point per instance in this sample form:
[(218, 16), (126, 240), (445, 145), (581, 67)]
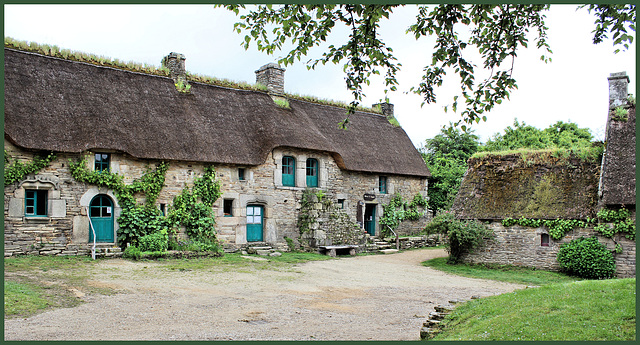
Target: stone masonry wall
[(66, 229), (520, 246)]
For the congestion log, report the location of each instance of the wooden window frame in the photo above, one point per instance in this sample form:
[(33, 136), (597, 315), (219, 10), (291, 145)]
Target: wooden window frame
[(544, 240), (289, 169), (227, 207), (382, 184), (313, 171), (102, 163), (39, 207)]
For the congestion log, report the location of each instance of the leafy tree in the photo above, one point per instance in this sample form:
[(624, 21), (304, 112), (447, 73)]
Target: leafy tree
[(559, 135), (446, 156), (496, 31)]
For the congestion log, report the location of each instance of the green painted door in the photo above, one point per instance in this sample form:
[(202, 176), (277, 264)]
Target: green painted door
[(288, 171), (101, 214), (312, 172), (370, 219), (255, 219)]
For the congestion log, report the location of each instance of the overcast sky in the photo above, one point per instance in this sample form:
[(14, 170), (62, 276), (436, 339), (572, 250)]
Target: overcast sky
[(573, 87)]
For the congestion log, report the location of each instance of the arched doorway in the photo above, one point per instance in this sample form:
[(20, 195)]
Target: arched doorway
[(101, 215)]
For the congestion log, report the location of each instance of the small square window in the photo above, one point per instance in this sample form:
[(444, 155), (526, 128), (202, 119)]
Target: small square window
[(544, 240), (228, 207), (341, 203), (35, 203), (163, 209), (241, 174), (382, 185), (102, 161)]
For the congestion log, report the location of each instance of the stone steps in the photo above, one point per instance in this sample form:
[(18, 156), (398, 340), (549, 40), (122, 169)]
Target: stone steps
[(388, 251)]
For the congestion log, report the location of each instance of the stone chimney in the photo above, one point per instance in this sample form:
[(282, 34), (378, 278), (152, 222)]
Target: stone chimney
[(618, 83), (175, 63), (272, 76), (387, 108)]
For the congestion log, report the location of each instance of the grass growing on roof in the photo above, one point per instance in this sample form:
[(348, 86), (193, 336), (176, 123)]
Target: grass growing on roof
[(100, 60), (578, 311)]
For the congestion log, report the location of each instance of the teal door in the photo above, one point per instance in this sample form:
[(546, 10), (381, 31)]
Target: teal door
[(370, 219), (101, 214), (255, 219), (288, 171), (312, 172)]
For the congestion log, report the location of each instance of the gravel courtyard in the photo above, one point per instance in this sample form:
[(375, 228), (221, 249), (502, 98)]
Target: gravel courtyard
[(376, 297)]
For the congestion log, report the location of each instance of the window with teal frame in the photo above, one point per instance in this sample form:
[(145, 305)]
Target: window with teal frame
[(312, 172), (35, 203), (288, 171), (102, 161), (382, 185)]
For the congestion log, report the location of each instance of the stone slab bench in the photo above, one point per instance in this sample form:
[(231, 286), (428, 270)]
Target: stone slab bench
[(333, 250)]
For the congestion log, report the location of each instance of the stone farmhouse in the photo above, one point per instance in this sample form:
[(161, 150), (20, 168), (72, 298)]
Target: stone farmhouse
[(265, 155), (546, 186)]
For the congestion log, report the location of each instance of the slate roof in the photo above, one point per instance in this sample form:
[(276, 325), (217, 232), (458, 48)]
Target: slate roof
[(67, 106)]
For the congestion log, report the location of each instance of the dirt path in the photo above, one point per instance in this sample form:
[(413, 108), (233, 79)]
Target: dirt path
[(381, 297)]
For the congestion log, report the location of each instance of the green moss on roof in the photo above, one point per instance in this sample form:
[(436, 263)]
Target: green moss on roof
[(100, 60), (541, 184)]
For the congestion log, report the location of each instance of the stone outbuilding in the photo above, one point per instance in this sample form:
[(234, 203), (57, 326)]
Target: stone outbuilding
[(265, 155), (546, 185)]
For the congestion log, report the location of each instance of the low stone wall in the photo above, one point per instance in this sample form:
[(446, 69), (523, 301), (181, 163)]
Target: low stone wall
[(328, 225), (414, 242), (521, 246), (413, 227)]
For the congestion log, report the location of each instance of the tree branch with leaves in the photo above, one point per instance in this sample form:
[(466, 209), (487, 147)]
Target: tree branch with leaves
[(496, 32)]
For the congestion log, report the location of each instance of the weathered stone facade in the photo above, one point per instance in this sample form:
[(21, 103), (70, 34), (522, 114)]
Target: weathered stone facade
[(66, 230), (521, 246)]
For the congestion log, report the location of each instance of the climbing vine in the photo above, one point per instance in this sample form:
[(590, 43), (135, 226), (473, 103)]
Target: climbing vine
[(557, 227), (610, 222), (18, 170), (399, 210), (616, 221), (193, 208), (136, 220)]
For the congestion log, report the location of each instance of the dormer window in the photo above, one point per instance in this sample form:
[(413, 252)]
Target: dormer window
[(103, 161), (288, 171)]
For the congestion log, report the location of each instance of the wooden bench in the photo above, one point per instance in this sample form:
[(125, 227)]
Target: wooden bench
[(333, 250)]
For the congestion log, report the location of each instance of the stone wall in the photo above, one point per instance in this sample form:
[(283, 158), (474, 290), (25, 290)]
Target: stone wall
[(66, 228), (521, 246), (328, 225)]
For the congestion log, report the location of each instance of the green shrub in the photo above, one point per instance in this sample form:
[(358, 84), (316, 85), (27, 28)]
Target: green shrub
[(463, 236), (132, 252), (587, 258), (156, 242), (136, 222)]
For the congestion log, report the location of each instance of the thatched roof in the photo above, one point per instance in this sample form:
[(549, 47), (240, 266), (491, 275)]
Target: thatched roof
[(66, 106), (619, 165), (540, 185)]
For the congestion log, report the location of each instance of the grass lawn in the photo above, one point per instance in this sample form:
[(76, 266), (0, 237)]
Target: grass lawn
[(562, 308), (505, 273), (583, 310)]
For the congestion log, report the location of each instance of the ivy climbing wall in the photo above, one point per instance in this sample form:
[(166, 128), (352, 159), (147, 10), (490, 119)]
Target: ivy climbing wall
[(521, 246)]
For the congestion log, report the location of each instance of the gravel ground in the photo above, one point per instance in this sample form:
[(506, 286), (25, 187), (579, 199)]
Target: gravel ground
[(378, 297)]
